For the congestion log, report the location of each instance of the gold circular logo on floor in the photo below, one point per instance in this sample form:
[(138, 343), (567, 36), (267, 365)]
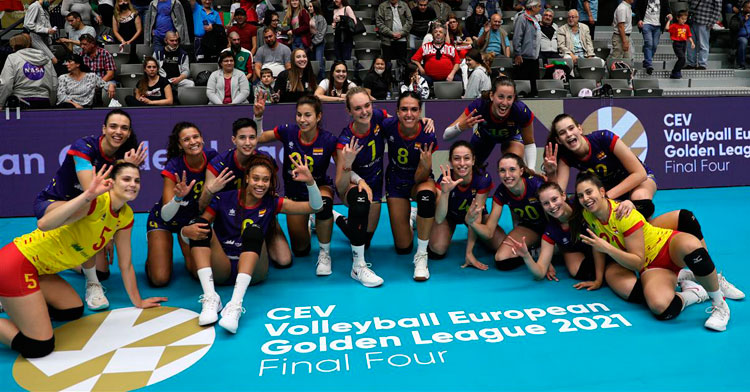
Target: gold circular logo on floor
[(622, 123), (123, 349)]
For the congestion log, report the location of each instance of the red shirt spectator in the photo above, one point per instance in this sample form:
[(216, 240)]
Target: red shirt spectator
[(437, 67), (249, 7), (679, 32), (248, 32)]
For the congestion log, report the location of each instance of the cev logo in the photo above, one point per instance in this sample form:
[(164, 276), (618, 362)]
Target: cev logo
[(622, 123), (123, 349)]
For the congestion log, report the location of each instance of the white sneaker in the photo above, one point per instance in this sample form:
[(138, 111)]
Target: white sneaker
[(230, 316), (95, 298), (421, 273), (364, 275), (324, 264), (1, 308), (719, 317), (690, 288), (729, 290), (413, 218), (210, 310), (311, 223), (685, 274)]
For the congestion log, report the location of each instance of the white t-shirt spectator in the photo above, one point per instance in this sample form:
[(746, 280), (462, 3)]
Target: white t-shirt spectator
[(324, 85)]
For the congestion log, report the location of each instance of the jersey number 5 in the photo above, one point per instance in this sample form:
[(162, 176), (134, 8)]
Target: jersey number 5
[(102, 240)]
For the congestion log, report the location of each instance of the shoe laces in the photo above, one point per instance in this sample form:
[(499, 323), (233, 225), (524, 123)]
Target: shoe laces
[(95, 289), (723, 282), (324, 257), (420, 261), (365, 271), (721, 310), (234, 310), (207, 298)]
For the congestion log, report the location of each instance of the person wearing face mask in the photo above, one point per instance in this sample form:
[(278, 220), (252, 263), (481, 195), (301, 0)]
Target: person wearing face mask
[(126, 24), (378, 80), (243, 58), (174, 62), (36, 21)]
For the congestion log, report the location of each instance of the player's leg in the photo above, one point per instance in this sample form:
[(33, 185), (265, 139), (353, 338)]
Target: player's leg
[(425, 195), (299, 236), (63, 302), (440, 239), (642, 197), (324, 230), (279, 252), (403, 236), (580, 265), (159, 259), (624, 282), (252, 245)]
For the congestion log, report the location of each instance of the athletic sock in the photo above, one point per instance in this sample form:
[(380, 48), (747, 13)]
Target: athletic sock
[(717, 297), (206, 277), (90, 274), (336, 215), (325, 247), (422, 245), (240, 286), (358, 256), (689, 297)]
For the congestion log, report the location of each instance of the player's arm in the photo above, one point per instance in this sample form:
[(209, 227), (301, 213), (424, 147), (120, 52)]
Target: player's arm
[(486, 230), (562, 175), (632, 258), (441, 207), (540, 267), (314, 201), (76, 208), (124, 261), (637, 173), (599, 262), (529, 146), (424, 167)]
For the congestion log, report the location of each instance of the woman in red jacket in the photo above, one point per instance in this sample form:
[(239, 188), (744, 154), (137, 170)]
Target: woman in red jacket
[(297, 19)]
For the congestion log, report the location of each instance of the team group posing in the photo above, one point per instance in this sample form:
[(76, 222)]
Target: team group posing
[(223, 208)]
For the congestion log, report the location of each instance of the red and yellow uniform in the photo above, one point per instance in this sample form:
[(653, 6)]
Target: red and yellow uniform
[(49, 252), (614, 231)]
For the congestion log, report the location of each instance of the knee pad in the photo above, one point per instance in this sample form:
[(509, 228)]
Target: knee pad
[(32, 348), (645, 207), (434, 255), (508, 264), (206, 242), (688, 223), (302, 252), (587, 270), (699, 262), (252, 239), (359, 205), (65, 314), (327, 211), (636, 294), (426, 204), (102, 275), (405, 251), (672, 311)]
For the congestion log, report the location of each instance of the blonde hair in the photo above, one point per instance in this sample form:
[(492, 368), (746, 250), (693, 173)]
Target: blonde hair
[(132, 9)]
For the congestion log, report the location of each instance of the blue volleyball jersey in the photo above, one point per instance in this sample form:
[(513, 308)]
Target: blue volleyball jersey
[(555, 234), (65, 185), (231, 217), (369, 162), (404, 152), (499, 130), (601, 159), (527, 207), (229, 159), (461, 197), (316, 154)]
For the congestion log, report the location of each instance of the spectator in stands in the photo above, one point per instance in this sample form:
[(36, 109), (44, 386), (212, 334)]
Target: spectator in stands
[(343, 40), (297, 81), (574, 40), (270, 20), (622, 26), (548, 47), (77, 30), (489, 8), (273, 55), (318, 28), (163, 16), (479, 79), (247, 31), (335, 87), (454, 31), (378, 79), (394, 22), (227, 85), (442, 9), (152, 89), (421, 16), (437, 60), (28, 75), (740, 29), (83, 7), (174, 62), (265, 87), (413, 81), (36, 21), (127, 25), (298, 20), (205, 19), (106, 9), (454, 4), (704, 14), (76, 88), (588, 11), (243, 59), (492, 38), (474, 22), (520, 5), (251, 7), (97, 59), (527, 44), (651, 15), (679, 33), (142, 7)]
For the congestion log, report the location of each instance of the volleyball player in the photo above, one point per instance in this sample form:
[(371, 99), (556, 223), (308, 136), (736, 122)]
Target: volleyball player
[(501, 119), (68, 235), (232, 252)]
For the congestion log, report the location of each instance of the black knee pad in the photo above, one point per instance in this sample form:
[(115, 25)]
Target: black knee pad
[(699, 262), (688, 223), (434, 255), (302, 252), (405, 251), (426, 204), (102, 275), (327, 211), (359, 205), (672, 311), (645, 207), (636, 294), (206, 242), (252, 239), (32, 348), (586, 271), (509, 264), (65, 314)]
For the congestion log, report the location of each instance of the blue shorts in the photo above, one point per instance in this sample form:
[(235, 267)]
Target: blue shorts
[(298, 191), (398, 187), (40, 206), (536, 227), (155, 222), (376, 185), (483, 148)]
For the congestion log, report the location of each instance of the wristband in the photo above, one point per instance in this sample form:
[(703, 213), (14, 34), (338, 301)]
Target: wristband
[(177, 198)]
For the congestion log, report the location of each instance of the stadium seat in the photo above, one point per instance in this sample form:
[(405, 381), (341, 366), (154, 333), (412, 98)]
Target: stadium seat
[(523, 88), (576, 85), (193, 95), (143, 50), (551, 88), (502, 63), (122, 59), (448, 90), (196, 68), (591, 68), (130, 79), (620, 87), (127, 69), (120, 94), (115, 48), (647, 87)]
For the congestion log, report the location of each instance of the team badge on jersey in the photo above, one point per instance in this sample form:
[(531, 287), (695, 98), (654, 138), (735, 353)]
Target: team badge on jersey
[(317, 151), (601, 155), (262, 212), (232, 212)]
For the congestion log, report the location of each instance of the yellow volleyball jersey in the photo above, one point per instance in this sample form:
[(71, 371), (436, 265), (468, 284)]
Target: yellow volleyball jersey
[(615, 230), (71, 245)]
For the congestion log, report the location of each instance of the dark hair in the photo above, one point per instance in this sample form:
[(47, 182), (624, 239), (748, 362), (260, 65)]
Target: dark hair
[(387, 74), (577, 222), (132, 142), (344, 3), (74, 14), (519, 162), (311, 100), (173, 143), (685, 12), (552, 137), (408, 72), (463, 143), (316, 7), (224, 55), (268, 163), (409, 94), (589, 176), (550, 185), (87, 37), (331, 83), (266, 71), (76, 58), (501, 81), (244, 122), (297, 77), (267, 18), (142, 85), (240, 11), (120, 166)]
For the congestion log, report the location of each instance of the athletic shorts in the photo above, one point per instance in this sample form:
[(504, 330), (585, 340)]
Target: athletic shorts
[(376, 185), (663, 260), (455, 219), (40, 205), (398, 187), (535, 227), (155, 222), (18, 277), (483, 148), (296, 193)]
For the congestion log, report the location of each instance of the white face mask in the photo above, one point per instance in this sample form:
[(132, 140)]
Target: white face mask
[(379, 71)]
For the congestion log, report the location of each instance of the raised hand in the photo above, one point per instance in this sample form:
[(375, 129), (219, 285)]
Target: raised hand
[(350, 152), (425, 155), (219, 182), (447, 183), (429, 125), (259, 107), (598, 244), (474, 212), (550, 158), (100, 183), (472, 119), (181, 188), (518, 248), (301, 172), (136, 157)]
